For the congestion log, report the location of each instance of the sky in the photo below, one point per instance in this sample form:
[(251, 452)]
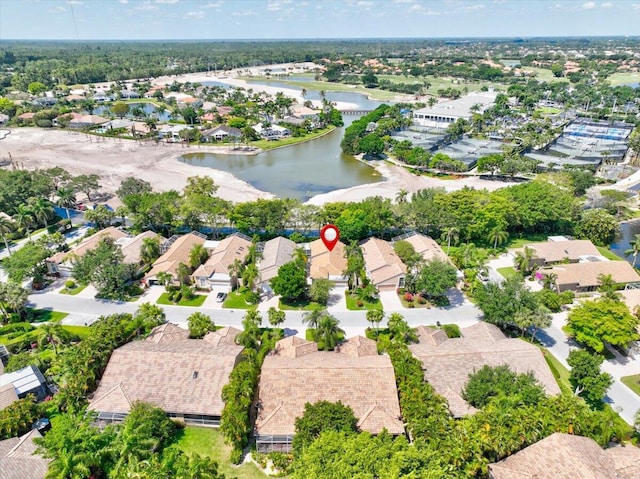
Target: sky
[(291, 19)]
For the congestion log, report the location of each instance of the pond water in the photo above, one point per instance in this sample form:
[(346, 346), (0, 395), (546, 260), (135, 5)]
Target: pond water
[(298, 171), (149, 109), (622, 242)]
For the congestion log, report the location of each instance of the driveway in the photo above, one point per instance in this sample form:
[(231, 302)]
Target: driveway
[(390, 301)]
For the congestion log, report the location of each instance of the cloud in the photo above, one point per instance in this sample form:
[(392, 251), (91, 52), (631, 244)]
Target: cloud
[(124, 2), (244, 13), (366, 4), (197, 14), (417, 8), (146, 7), (589, 5), (57, 9), (276, 5), (471, 8), (167, 2), (217, 4), (75, 2), (606, 5), (635, 6)]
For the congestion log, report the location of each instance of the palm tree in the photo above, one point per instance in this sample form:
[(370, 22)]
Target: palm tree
[(183, 272), (401, 196), (164, 278), (66, 199), (150, 312), (355, 264), (24, 218), (41, 209), (149, 250), (328, 331), (249, 275), (375, 316), (635, 249), (498, 236), (549, 280), (451, 233), (312, 317), (608, 287), (6, 226), (235, 269), (400, 330), (198, 255), (52, 334), (522, 260)]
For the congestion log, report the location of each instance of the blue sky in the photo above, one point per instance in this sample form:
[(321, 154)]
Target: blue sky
[(241, 19)]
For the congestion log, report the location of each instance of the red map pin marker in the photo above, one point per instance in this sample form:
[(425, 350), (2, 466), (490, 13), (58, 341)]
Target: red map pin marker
[(330, 234)]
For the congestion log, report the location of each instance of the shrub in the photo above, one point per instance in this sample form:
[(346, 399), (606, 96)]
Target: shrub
[(452, 330), (252, 297), (408, 297), (411, 305), (70, 284), (567, 297), (359, 304), (421, 300)]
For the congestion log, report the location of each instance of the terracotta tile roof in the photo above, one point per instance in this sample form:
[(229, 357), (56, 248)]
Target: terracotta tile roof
[(183, 376), (228, 250), (88, 244), (18, 459), (447, 363), (130, 247), (564, 456), (585, 275), (297, 373), (324, 263), (427, 247), (556, 251), (226, 335), (277, 252), (7, 395), (177, 253), (383, 265)]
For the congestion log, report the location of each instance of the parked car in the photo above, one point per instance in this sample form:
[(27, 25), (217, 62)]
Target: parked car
[(220, 297)]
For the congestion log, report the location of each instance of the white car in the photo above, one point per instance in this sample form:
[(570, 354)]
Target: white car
[(221, 296)]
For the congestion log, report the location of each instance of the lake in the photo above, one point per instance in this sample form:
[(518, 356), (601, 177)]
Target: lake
[(297, 171), (627, 232)]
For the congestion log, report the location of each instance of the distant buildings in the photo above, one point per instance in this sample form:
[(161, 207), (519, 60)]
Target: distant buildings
[(443, 114)]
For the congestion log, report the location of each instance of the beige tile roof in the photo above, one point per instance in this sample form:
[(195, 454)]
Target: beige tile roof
[(130, 247), (585, 275), (7, 395), (160, 370), (228, 250), (177, 253), (18, 459), (448, 363), (277, 251), (226, 335), (383, 265), (88, 244), (324, 263), (427, 247), (297, 373), (631, 297), (626, 460), (564, 456), (556, 251)]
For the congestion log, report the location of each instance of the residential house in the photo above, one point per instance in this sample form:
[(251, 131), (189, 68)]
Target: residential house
[(26, 117), (18, 458), (221, 133), (447, 362), (272, 132), (296, 373), (8, 395), (175, 251), (325, 264), (562, 250), (293, 120), (66, 118), (182, 376), (133, 128), (87, 121), (304, 112), (25, 381), (427, 247), (171, 133), (62, 263), (384, 267), (565, 456), (215, 274), (132, 247), (584, 277), (129, 94), (275, 253), (101, 97), (4, 119)]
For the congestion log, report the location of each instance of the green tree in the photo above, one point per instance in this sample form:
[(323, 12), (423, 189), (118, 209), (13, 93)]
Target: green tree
[(320, 289), (498, 236), (375, 317), (407, 254), (523, 260), (608, 287), (37, 88), (150, 250), (313, 316), (24, 218), (132, 186), (436, 277), (499, 381), (291, 281), (66, 199), (199, 325), (52, 334), (198, 255), (120, 109), (327, 332), (594, 323), (598, 226), (101, 216), (29, 259), (42, 210), (275, 316), (320, 417), (7, 225), (635, 248), (586, 377), (151, 313), (355, 264), (400, 330), (501, 302), (16, 419), (86, 184)]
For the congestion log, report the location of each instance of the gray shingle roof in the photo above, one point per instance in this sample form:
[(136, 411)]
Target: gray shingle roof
[(18, 459)]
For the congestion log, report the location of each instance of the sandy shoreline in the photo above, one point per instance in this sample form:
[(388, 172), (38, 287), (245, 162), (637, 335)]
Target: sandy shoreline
[(116, 159)]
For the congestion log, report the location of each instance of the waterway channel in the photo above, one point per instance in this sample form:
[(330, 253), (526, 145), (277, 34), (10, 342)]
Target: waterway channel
[(302, 170)]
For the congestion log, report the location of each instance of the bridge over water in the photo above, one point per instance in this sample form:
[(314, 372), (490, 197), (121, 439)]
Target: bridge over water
[(355, 112)]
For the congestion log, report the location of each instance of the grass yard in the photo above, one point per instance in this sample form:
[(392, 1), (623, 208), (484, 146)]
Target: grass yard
[(560, 373), (514, 243), (303, 305), (632, 382), (73, 291), (81, 331), (46, 315), (352, 304), (209, 442), (238, 300), (271, 145), (507, 272), (607, 253), (195, 302), (622, 78), (544, 74), (548, 110)]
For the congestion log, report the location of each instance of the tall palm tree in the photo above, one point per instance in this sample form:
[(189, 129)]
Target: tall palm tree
[(42, 210), (608, 287), (549, 280), (635, 248), (522, 260), (183, 272), (198, 255), (150, 250), (400, 330), (235, 269), (401, 196), (66, 199), (249, 275), (312, 317), (498, 236), (451, 233), (327, 331), (24, 218), (355, 264), (52, 334), (7, 225)]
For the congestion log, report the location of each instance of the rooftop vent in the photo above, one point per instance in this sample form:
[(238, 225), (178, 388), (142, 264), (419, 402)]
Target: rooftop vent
[(195, 375)]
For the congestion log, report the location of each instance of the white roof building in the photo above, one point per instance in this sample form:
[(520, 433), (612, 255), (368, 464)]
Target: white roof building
[(443, 114)]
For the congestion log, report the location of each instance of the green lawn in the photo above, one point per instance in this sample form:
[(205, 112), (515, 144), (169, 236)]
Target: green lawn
[(607, 253), (303, 305), (46, 315), (352, 304), (515, 243), (291, 140), (548, 110), (73, 291), (560, 373), (623, 77), (632, 382), (209, 442), (544, 74), (81, 331), (237, 300), (195, 302), (507, 272)]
